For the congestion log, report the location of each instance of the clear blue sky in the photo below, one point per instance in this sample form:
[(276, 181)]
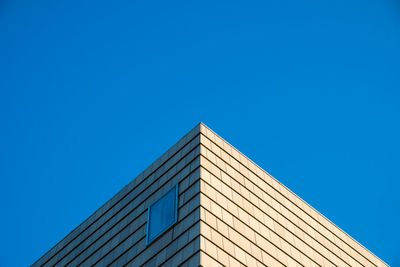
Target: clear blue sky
[(92, 92)]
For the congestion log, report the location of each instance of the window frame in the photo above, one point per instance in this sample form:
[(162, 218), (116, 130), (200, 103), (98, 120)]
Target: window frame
[(148, 240)]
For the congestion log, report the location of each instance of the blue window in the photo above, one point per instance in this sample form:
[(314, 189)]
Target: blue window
[(162, 214)]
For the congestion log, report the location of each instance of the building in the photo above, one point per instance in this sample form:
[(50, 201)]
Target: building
[(204, 203)]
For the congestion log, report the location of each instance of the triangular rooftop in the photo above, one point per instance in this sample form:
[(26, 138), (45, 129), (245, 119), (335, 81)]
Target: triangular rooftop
[(230, 212)]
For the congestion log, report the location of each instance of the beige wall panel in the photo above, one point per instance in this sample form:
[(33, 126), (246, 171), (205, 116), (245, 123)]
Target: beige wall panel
[(293, 218)]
